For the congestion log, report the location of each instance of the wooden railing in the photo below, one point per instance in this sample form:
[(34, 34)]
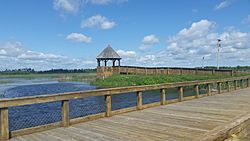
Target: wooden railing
[(65, 97), (109, 70)]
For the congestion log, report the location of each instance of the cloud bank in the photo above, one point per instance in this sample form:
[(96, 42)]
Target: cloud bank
[(14, 56)]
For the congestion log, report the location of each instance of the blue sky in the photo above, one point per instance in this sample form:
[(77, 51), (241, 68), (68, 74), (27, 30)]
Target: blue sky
[(50, 34)]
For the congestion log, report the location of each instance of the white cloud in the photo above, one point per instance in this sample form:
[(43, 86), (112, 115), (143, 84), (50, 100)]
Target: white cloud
[(189, 45), (223, 4), (73, 6), (14, 55), (99, 22), (3, 52), (67, 6), (146, 58), (150, 39), (78, 37), (126, 54), (144, 47)]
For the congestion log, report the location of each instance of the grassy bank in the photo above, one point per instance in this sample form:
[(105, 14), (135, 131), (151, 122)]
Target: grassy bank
[(5, 81), (81, 77), (134, 80)]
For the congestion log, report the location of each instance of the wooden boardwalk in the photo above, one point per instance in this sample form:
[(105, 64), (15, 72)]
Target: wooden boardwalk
[(183, 121)]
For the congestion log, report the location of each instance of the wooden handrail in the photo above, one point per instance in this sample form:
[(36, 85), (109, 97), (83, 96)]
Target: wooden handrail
[(20, 101)]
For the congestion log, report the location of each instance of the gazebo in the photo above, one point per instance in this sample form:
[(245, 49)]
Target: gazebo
[(108, 54)]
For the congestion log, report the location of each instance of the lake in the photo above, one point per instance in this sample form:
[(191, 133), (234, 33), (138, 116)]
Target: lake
[(45, 113)]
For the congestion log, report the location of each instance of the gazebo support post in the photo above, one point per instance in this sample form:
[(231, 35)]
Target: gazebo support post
[(98, 63), (105, 63), (119, 62)]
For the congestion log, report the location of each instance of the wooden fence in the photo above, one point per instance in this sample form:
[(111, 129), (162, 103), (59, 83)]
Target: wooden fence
[(103, 71), (65, 97)]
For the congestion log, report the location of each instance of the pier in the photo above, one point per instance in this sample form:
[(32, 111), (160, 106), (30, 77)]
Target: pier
[(213, 116)]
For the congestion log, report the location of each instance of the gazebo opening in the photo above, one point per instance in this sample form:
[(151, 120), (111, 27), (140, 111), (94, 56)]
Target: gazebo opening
[(108, 54)]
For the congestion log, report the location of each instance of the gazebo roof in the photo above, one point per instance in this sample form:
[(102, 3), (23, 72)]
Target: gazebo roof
[(108, 53)]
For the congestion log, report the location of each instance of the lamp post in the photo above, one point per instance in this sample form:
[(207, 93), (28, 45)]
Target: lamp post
[(218, 52), (202, 65)]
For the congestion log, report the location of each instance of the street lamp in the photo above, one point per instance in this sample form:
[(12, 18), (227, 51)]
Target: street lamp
[(218, 52), (202, 65)]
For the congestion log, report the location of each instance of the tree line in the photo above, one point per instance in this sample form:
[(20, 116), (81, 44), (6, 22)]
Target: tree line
[(30, 70)]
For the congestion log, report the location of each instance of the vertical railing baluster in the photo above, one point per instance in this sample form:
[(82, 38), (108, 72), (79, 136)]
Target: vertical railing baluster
[(228, 86), (180, 94), (139, 100), (235, 84), (219, 87), (241, 83), (208, 89), (65, 113), (163, 97), (4, 123), (108, 105), (248, 82), (196, 87)]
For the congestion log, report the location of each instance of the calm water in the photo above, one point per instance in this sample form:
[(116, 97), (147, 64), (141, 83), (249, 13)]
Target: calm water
[(45, 113)]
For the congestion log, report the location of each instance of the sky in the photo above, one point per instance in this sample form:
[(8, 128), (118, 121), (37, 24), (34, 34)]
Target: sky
[(69, 34)]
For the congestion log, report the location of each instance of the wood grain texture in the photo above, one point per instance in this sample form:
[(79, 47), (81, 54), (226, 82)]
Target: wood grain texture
[(208, 118), (219, 87), (196, 89), (180, 90), (108, 105), (139, 100), (65, 113), (4, 126), (163, 96)]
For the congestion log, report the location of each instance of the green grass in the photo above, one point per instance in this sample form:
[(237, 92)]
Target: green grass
[(81, 77), (115, 80), (134, 80), (5, 81)]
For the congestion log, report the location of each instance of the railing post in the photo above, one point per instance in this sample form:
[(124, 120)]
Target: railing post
[(228, 86), (180, 94), (235, 84), (139, 100), (208, 89), (213, 72), (232, 73), (108, 105), (248, 82), (4, 124), (241, 83), (65, 113), (219, 87), (163, 97), (196, 87)]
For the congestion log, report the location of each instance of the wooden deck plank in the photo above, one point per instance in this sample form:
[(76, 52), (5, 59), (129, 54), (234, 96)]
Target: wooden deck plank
[(188, 120), (196, 123)]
